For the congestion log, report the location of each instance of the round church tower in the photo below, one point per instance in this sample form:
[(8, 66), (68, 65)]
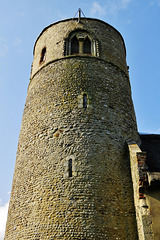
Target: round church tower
[(72, 175)]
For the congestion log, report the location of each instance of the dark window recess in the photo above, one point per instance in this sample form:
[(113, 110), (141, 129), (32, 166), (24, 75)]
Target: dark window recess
[(87, 46), (84, 100), (43, 54), (70, 167), (74, 45)]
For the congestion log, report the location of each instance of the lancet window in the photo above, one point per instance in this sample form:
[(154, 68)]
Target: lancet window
[(70, 167), (43, 55)]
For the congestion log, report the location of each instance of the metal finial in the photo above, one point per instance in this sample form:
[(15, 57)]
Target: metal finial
[(79, 17), (80, 12)]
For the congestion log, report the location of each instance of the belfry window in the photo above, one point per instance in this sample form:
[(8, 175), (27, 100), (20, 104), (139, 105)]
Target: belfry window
[(81, 42), (43, 55), (74, 45), (87, 46)]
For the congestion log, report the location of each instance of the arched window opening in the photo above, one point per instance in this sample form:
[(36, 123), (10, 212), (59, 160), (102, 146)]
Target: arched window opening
[(87, 46), (84, 100), (74, 45), (70, 167), (43, 54), (81, 42)]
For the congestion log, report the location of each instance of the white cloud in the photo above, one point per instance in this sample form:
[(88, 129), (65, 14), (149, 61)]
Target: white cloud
[(3, 48), (117, 5), (17, 42), (112, 7), (3, 219), (124, 3), (98, 9), (153, 3)]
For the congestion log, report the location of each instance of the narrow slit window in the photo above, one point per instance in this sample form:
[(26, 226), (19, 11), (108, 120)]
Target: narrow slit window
[(74, 45), (70, 167), (87, 46), (43, 54), (84, 100)]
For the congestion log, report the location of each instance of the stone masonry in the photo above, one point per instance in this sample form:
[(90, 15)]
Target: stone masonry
[(72, 175)]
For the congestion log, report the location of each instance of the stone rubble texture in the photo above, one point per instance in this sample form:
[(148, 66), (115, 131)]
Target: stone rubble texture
[(97, 201)]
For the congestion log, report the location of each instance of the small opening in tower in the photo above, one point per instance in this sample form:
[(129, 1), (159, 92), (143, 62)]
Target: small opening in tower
[(43, 54), (87, 46), (84, 100), (74, 45), (70, 167)]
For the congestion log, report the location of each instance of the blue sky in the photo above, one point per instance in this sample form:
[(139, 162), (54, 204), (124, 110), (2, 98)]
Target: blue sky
[(21, 21)]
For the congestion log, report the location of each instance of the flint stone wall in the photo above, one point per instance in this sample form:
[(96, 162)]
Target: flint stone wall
[(97, 201)]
